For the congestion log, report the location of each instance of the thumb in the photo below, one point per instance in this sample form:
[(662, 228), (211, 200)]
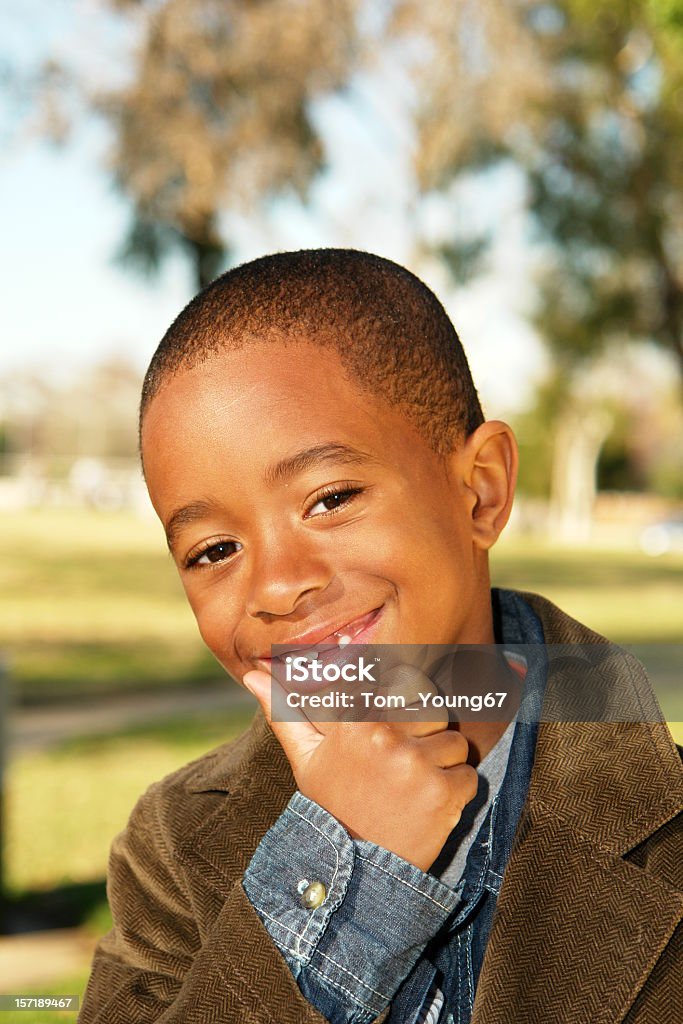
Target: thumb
[(259, 683), (298, 737)]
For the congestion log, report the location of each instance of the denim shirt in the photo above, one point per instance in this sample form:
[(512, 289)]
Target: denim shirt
[(387, 932)]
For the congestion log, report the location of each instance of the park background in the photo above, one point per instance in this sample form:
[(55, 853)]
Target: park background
[(523, 158)]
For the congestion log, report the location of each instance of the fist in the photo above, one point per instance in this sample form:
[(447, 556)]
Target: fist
[(403, 785)]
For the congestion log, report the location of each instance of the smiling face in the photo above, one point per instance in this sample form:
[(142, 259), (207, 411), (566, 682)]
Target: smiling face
[(298, 508)]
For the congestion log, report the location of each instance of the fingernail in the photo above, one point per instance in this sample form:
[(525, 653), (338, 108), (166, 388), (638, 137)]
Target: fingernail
[(255, 680)]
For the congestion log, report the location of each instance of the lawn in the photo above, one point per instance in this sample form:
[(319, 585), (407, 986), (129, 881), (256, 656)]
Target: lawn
[(623, 594), (63, 808), (91, 602), (65, 805), (73, 985)]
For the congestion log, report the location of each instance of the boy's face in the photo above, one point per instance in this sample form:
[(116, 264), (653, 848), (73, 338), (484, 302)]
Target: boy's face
[(379, 546)]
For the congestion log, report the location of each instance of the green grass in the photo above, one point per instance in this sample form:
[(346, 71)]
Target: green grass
[(624, 594), (65, 805), (91, 602), (63, 808)]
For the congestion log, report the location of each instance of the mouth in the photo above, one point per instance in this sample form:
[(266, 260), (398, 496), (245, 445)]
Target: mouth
[(358, 630)]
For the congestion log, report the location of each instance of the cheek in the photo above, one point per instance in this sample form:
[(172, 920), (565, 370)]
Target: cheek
[(403, 549), (434, 560), (216, 618), (421, 540)]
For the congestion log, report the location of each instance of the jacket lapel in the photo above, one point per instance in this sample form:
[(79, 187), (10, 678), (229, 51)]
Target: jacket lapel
[(257, 776), (578, 928)]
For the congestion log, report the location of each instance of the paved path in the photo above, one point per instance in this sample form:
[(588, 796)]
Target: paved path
[(38, 728), (41, 958)]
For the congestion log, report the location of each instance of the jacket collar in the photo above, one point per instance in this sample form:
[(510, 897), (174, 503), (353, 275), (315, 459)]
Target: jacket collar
[(238, 765), (633, 782), (258, 777)]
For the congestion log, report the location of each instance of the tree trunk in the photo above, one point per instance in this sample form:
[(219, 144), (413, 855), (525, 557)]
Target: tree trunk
[(206, 250), (578, 442), (207, 260)]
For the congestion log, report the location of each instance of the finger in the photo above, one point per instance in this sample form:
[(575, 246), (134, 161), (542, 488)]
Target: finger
[(445, 749), (407, 683), (415, 724), (298, 737), (464, 784)]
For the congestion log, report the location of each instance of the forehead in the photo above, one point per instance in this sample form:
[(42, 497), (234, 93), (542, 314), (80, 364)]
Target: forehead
[(240, 410)]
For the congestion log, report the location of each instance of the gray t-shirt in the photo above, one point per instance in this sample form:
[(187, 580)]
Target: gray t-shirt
[(491, 770)]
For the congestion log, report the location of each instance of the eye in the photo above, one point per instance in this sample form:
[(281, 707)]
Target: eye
[(212, 553), (333, 499)]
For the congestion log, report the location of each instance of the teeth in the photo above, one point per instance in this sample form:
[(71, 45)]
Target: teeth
[(309, 655)]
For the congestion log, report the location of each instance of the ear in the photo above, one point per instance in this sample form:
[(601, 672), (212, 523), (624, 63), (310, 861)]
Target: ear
[(490, 466)]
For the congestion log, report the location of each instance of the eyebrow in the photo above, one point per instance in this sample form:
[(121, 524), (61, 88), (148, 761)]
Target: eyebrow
[(277, 473), (184, 516), (309, 458)]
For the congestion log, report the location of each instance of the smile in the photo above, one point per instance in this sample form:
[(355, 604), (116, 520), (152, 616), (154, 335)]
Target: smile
[(358, 630)]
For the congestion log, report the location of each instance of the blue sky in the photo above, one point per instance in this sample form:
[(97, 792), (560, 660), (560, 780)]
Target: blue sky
[(64, 301)]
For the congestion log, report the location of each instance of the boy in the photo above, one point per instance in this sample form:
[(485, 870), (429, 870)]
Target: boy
[(313, 444)]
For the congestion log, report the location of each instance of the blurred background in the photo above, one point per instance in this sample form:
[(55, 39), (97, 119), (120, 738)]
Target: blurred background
[(523, 158)]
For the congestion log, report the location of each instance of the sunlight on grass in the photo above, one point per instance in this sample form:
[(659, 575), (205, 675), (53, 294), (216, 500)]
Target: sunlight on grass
[(92, 601), (625, 595), (676, 730)]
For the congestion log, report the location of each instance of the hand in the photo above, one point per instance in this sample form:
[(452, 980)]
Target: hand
[(402, 786)]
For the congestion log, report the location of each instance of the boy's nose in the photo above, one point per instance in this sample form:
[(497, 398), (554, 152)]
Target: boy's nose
[(282, 576)]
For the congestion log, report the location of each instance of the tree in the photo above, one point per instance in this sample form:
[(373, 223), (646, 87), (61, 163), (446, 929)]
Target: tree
[(216, 114), (587, 98), (476, 70), (53, 422), (607, 182), (606, 185)]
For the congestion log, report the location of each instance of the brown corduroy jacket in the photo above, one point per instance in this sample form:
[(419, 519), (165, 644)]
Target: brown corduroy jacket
[(588, 926)]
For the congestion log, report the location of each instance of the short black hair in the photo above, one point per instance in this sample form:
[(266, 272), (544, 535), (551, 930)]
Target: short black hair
[(391, 332)]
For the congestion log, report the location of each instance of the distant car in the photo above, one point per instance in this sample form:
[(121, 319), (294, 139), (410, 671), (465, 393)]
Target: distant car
[(660, 538)]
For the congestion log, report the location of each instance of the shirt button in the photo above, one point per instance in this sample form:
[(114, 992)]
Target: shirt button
[(313, 895)]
